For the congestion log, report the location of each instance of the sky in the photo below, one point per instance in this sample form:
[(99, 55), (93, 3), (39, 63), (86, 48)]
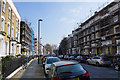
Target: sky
[(59, 18)]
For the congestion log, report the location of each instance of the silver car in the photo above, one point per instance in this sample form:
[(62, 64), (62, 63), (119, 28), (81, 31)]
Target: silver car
[(49, 61), (97, 60)]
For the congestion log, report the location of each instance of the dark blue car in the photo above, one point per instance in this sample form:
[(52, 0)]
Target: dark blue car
[(81, 59)]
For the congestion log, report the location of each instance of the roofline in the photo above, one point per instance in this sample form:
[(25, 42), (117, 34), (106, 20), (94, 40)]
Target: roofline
[(97, 12)]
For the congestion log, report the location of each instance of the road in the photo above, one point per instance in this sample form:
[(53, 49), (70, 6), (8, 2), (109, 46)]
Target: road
[(101, 72)]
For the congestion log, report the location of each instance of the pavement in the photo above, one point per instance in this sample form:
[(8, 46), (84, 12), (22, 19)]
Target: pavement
[(34, 71)]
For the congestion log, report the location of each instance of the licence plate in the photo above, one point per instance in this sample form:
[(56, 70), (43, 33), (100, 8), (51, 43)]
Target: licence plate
[(74, 79)]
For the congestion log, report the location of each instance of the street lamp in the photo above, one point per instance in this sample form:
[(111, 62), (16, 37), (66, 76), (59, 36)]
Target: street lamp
[(39, 37)]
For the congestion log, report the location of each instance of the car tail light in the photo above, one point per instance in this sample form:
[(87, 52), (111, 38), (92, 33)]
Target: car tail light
[(85, 74), (101, 59), (57, 78), (80, 58), (67, 64)]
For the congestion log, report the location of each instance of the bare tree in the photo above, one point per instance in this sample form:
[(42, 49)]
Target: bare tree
[(48, 48)]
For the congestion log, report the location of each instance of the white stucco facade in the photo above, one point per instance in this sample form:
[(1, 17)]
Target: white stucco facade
[(13, 48), (3, 48)]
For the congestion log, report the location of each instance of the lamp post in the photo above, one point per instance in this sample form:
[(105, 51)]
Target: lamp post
[(39, 38)]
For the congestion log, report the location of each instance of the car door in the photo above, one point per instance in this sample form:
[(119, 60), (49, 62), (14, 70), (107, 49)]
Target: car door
[(91, 60), (45, 64), (95, 60)]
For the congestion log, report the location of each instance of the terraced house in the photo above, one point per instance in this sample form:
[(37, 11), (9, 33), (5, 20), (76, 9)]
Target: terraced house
[(100, 34), (9, 29)]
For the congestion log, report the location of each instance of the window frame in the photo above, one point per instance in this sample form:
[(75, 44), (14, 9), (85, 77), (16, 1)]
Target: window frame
[(117, 26), (12, 32), (17, 23), (18, 49), (13, 18), (9, 13), (3, 6), (115, 18), (2, 23), (8, 31), (16, 35)]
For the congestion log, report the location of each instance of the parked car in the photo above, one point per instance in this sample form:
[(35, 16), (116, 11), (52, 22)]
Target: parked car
[(67, 70), (71, 57), (44, 56), (48, 63), (116, 65), (61, 56), (66, 57), (97, 60), (80, 59)]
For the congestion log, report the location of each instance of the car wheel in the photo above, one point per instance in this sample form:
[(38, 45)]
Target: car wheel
[(97, 63), (116, 67)]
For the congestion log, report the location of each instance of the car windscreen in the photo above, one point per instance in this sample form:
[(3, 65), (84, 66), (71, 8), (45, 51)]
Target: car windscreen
[(70, 69), (52, 60), (79, 56), (66, 56)]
